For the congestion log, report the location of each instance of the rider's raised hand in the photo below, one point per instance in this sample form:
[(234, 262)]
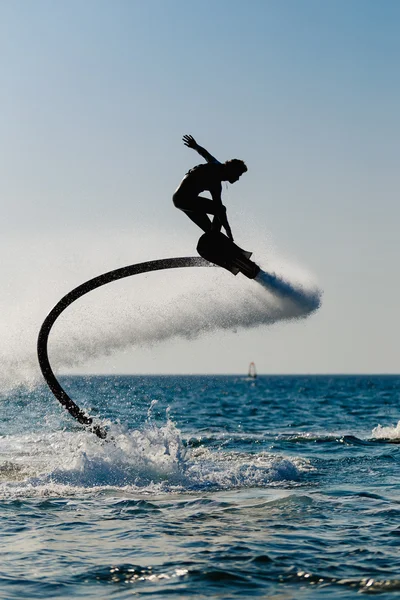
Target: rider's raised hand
[(189, 141)]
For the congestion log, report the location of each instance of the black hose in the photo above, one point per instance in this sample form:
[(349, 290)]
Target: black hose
[(84, 288)]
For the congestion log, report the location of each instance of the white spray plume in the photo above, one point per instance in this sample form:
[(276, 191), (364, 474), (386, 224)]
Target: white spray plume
[(140, 311)]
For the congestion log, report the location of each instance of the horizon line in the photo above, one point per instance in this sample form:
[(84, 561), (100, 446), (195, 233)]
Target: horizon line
[(241, 374)]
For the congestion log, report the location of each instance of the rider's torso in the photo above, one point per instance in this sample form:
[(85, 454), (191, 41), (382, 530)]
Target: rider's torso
[(204, 177)]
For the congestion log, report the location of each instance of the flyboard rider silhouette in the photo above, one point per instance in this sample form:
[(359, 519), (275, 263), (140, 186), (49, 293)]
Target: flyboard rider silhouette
[(213, 245)]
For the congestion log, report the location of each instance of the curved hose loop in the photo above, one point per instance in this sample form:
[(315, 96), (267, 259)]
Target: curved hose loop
[(51, 380)]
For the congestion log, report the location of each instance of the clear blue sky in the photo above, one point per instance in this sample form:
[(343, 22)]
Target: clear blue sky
[(95, 97)]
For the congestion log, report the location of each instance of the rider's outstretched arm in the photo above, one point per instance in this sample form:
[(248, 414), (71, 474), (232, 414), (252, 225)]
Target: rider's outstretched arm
[(189, 141)]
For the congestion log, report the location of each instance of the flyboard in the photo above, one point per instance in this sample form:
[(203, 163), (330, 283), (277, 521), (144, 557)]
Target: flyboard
[(217, 248), (213, 247)]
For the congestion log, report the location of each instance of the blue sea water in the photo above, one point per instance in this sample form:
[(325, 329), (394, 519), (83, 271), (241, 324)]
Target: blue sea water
[(209, 487)]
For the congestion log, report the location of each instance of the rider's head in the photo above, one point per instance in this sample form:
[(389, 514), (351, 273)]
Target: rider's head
[(233, 169)]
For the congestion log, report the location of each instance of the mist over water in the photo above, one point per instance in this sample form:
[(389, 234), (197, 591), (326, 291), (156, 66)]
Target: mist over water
[(137, 312)]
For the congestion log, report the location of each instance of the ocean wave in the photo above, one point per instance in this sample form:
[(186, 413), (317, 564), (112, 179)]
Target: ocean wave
[(152, 460)]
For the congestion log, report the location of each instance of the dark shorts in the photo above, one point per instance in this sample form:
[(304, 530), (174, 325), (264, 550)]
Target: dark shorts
[(184, 201), (191, 202)]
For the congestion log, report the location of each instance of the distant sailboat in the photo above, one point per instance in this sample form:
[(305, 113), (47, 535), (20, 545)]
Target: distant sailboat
[(252, 371)]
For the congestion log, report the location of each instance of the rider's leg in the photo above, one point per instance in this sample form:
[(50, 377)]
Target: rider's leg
[(216, 224), (201, 219), (197, 208)]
